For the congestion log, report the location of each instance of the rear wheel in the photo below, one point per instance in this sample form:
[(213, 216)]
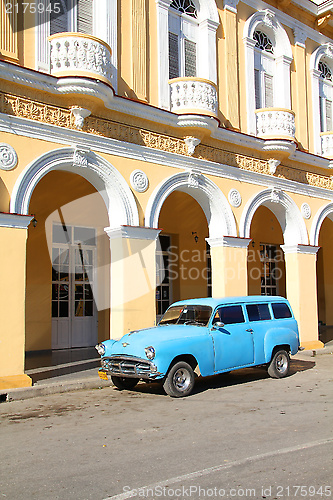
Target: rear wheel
[(179, 381), (124, 382), (279, 365)]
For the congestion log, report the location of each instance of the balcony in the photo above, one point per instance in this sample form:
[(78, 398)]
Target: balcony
[(193, 96), (275, 123), (327, 144), (77, 54)]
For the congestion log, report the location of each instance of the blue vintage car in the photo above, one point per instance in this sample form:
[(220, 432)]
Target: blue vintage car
[(204, 336)]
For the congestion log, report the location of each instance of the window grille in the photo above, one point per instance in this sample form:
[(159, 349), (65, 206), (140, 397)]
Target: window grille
[(325, 72), (185, 7), (263, 42)]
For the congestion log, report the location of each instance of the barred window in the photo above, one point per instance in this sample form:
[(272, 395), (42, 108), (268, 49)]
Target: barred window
[(185, 7), (325, 72), (263, 42)]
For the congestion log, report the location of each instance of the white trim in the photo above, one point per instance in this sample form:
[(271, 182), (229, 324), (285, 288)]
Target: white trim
[(229, 241), (284, 209), (131, 232), (15, 221), (100, 173), (52, 133), (303, 249), (220, 218), (323, 212)]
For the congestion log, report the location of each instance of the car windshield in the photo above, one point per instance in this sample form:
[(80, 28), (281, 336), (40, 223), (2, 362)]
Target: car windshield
[(187, 315)]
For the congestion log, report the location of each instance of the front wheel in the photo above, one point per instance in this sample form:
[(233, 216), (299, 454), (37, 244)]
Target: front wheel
[(279, 365), (179, 381), (124, 382)]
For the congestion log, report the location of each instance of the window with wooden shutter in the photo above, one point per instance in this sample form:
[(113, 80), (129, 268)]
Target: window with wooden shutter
[(190, 58), (59, 22), (268, 82), (257, 88), (325, 97), (85, 16), (173, 55), (8, 34)]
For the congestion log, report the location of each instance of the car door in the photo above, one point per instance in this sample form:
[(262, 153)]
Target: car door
[(233, 342)]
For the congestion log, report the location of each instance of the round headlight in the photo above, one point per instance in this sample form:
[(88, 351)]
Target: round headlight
[(150, 352), (100, 348)]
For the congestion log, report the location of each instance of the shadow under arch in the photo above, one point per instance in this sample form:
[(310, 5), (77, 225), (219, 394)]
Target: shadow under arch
[(117, 196), (220, 218), (284, 209)]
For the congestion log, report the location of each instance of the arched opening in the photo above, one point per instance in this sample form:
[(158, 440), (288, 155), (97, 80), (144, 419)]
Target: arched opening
[(266, 264), (325, 280), (68, 265), (182, 256)]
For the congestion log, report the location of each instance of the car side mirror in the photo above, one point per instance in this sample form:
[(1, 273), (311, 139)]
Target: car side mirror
[(217, 324)]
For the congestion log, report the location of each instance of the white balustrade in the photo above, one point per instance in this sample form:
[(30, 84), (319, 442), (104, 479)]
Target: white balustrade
[(275, 123), (193, 96), (327, 144), (77, 54)]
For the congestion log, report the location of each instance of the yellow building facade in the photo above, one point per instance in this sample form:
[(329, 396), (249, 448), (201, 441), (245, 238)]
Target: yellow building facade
[(159, 150)]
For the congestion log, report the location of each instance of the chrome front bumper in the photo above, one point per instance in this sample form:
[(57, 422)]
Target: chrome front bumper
[(128, 366)]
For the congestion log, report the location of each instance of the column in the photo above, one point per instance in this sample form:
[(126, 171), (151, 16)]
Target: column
[(231, 63), (301, 284), (229, 266), (13, 238), (139, 49), (301, 88), (133, 278)]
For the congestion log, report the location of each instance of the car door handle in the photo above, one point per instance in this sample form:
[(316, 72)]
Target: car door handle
[(249, 330)]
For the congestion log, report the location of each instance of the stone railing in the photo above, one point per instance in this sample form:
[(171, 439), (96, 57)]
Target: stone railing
[(193, 96), (275, 123), (77, 54), (327, 144)]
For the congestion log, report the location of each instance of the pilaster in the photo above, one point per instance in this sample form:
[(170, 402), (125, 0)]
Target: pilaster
[(133, 278), (301, 94), (139, 48), (229, 266), (301, 281), (13, 236), (231, 59)]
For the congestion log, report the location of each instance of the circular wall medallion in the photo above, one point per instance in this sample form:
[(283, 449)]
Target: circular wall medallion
[(8, 157), (235, 198), (139, 181), (306, 211)]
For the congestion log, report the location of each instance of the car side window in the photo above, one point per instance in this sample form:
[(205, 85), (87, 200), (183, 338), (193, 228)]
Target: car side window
[(281, 310), (258, 312), (229, 315)]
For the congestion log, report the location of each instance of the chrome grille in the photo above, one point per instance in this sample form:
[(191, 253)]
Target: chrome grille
[(127, 366)]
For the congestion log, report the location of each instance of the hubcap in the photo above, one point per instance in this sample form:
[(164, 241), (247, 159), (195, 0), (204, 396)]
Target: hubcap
[(281, 363), (181, 379)]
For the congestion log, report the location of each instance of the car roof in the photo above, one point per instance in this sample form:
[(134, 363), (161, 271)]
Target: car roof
[(214, 302)]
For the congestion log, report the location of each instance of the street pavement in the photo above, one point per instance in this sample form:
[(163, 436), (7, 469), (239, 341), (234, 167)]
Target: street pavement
[(242, 435)]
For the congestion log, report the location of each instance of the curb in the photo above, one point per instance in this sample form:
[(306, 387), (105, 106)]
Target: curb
[(53, 388)]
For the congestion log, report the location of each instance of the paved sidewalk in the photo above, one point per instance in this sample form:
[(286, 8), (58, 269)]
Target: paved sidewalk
[(84, 375)]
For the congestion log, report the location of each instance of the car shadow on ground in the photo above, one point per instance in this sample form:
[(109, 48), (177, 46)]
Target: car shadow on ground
[(233, 378)]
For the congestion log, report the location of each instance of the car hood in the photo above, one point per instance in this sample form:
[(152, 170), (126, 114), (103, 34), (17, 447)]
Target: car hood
[(134, 343)]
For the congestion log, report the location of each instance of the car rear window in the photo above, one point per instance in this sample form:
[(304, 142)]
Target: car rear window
[(281, 310), (258, 312), (230, 315)]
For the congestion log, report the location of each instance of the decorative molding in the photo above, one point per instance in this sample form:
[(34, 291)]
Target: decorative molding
[(303, 249), (139, 181), (191, 144), (194, 177), (323, 212), (132, 232), (8, 157), (234, 198), (15, 221), (275, 195), (80, 157), (306, 211), (79, 115), (300, 36), (229, 241), (230, 5), (273, 165)]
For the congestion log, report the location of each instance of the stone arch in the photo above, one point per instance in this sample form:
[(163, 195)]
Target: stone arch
[(118, 198), (286, 212), (220, 219), (326, 211)]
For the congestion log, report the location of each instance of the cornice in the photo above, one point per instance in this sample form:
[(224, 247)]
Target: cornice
[(230, 165), (15, 221)]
